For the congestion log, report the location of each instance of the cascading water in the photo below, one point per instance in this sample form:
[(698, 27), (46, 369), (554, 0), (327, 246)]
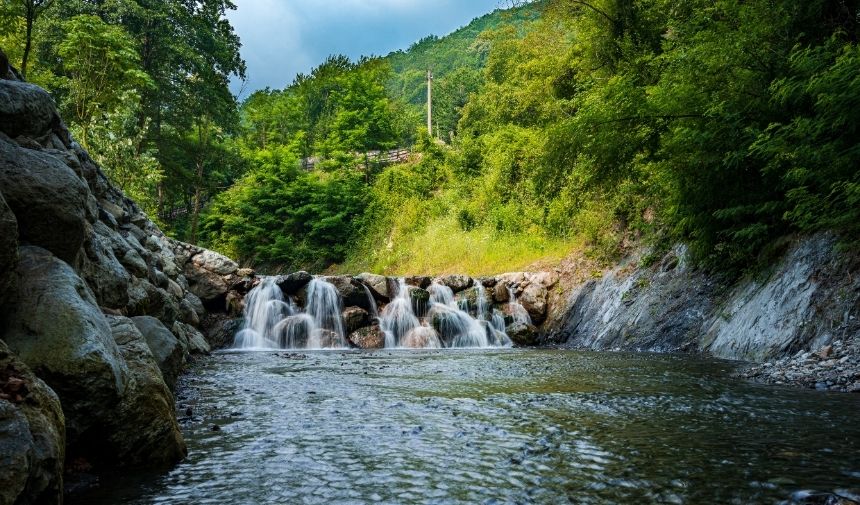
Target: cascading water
[(274, 323), (398, 318), (517, 311), (410, 320)]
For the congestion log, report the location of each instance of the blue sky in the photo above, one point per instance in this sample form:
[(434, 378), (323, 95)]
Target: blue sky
[(281, 38)]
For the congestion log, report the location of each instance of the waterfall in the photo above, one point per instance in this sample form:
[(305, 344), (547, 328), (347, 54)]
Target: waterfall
[(397, 317), (410, 320), (271, 322), (518, 312), (374, 312)]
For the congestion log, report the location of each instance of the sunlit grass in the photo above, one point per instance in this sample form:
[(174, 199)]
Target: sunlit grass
[(443, 247)]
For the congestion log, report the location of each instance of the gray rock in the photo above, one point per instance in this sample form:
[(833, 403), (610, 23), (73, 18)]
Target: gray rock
[(292, 283), (103, 273), (193, 340), (522, 334), (369, 337), (350, 290), (456, 282), (48, 199), (355, 318), (207, 285), (220, 329), (26, 109), (215, 263), (56, 328), (144, 431), (377, 284), (534, 300), (32, 436), (165, 347), (8, 248)]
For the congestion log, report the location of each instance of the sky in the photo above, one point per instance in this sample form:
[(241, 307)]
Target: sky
[(281, 38)]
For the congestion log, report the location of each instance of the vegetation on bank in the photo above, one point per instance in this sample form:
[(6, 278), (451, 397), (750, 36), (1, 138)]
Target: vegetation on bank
[(563, 124)]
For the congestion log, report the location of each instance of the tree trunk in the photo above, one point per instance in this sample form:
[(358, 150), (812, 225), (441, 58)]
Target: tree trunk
[(31, 17)]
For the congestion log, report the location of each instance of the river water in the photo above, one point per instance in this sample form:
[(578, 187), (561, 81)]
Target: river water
[(502, 426)]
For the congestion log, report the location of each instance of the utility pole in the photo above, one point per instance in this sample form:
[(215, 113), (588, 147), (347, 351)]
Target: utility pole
[(430, 103)]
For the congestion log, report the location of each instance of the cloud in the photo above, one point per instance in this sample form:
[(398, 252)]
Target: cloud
[(281, 38)]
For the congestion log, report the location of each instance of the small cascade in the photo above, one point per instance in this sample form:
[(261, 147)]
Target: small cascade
[(326, 308), (271, 322), (409, 320), (517, 311), (374, 312), (398, 318)]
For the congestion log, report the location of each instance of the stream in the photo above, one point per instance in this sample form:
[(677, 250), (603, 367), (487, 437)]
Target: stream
[(495, 426)]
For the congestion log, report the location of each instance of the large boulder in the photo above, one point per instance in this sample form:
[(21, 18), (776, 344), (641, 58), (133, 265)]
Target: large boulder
[(205, 284), (533, 299), (102, 271), (32, 436), (292, 283), (26, 109), (355, 318), (167, 350), (378, 285), (369, 337), (55, 326), (456, 282), (522, 334), (220, 329), (215, 263), (48, 199), (144, 431), (8, 248), (350, 290), (419, 281)]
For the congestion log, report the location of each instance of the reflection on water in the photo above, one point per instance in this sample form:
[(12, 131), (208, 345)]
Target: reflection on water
[(496, 427)]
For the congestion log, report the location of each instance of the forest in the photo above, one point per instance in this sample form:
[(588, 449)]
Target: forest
[(559, 125)]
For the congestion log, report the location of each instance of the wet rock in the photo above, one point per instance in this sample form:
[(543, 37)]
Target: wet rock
[(8, 248), (419, 281), (534, 300), (350, 290), (26, 109), (234, 303), (488, 282), (144, 431), (377, 284), (369, 337), (455, 282), (32, 436), (219, 329), (165, 347), (355, 318), (421, 337), (292, 283), (500, 293), (420, 300), (522, 334), (49, 201)]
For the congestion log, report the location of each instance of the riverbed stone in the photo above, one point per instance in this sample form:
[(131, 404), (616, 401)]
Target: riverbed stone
[(145, 431), (522, 334), (165, 347), (355, 318), (369, 337), (32, 436)]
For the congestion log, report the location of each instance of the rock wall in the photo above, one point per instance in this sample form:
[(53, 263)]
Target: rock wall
[(99, 310), (809, 299)]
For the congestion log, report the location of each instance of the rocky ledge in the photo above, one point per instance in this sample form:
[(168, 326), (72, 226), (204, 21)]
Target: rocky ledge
[(99, 311), (834, 367)]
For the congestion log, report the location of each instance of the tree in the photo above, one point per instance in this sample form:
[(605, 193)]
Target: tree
[(30, 11)]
